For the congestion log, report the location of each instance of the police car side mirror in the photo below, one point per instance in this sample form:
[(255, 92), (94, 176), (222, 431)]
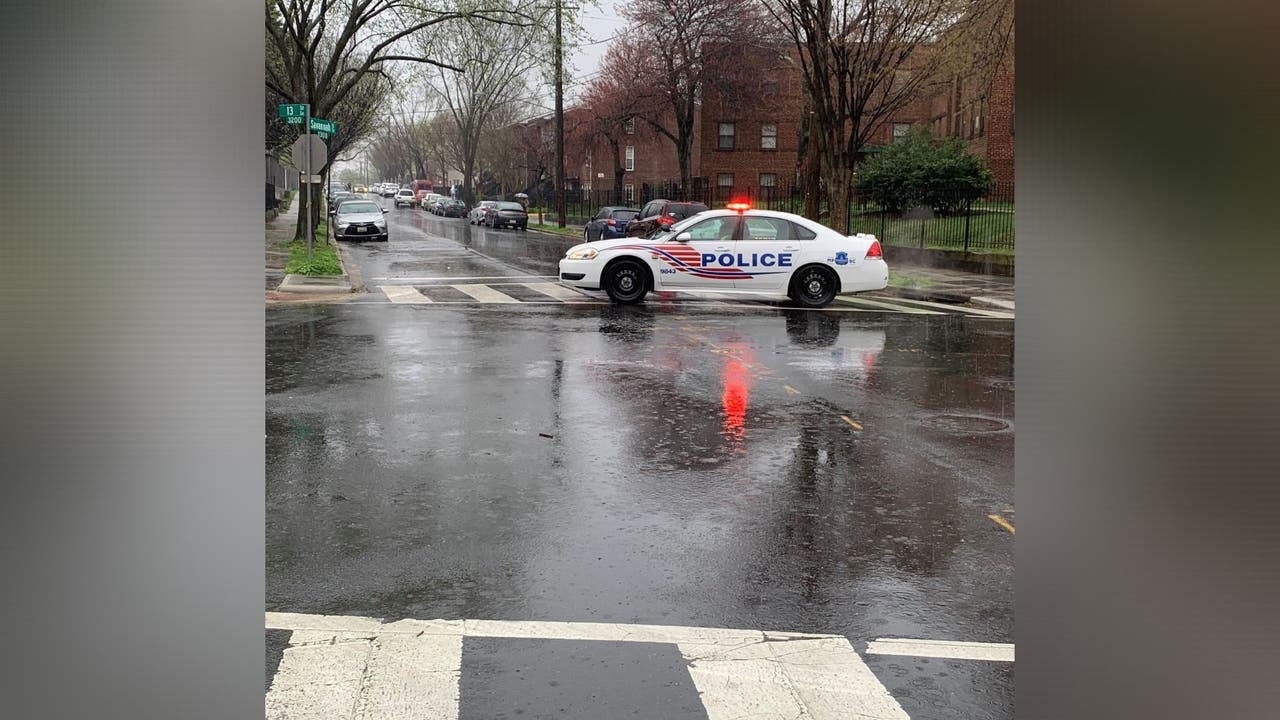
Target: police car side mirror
[(684, 237)]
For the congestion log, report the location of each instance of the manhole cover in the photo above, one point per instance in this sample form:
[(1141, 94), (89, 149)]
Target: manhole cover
[(967, 423)]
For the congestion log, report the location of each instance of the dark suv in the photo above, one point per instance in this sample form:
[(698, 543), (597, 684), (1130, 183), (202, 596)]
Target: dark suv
[(660, 215)]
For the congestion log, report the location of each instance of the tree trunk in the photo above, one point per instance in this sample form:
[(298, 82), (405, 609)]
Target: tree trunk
[(310, 201), (839, 194)]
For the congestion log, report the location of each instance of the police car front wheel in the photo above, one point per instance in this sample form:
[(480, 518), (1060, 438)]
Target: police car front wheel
[(626, 281), (814, 286)]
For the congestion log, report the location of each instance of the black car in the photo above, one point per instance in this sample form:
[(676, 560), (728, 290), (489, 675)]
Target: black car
[(507, 213), (658, 215), (609, 223), (453, 208), (337, 197)]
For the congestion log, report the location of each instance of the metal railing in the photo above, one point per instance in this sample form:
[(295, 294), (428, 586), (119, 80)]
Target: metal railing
[(979, 225)]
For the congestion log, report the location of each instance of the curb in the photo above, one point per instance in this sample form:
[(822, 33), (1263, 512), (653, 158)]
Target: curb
[(942, 296), (991, 302), (330, 284)]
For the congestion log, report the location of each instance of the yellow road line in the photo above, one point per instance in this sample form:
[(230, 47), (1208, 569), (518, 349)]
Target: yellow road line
[(847, 419), (791, 390), (1002, 523)]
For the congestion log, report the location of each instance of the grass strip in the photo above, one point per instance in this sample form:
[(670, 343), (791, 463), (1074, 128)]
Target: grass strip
[(324, 256)]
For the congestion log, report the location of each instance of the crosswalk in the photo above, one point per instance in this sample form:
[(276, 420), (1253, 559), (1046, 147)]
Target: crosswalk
[(513, 291), (332, 667)]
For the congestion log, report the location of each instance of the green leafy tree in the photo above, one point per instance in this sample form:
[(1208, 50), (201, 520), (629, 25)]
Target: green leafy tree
[(918, 171)]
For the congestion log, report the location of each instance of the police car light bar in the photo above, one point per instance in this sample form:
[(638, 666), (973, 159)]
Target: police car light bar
[(739, 205)]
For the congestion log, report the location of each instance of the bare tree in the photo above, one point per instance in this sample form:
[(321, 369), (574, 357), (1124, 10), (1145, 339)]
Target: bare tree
[(498, 60), (612, 110), (676, 45), (864, 60), (332, 54)]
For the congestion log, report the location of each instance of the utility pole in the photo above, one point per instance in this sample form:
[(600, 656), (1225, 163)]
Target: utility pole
[(559, 119)]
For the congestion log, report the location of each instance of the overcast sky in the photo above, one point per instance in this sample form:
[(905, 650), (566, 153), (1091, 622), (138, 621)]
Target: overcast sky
[(601, 22)]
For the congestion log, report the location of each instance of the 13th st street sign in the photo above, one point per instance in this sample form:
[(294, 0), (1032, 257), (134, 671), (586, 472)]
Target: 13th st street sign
[(323, 128), (293, 113)]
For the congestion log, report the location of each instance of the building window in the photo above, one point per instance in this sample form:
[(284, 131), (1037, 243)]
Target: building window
[(725, 137), (901, 130), (769, 137), (629, 126), (724, 186), (629, 193), (768, 180), (631, 158)]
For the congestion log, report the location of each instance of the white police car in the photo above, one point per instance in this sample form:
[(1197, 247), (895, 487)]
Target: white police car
[(755, 253)]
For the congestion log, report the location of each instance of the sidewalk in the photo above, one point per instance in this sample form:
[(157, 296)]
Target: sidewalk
[(279, 232), (994, 291)]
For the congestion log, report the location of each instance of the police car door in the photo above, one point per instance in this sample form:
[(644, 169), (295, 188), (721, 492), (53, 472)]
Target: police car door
[(704, 261), (768, 253)]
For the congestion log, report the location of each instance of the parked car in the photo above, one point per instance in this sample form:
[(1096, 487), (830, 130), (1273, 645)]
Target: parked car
[(453, 208), (360, 220), (610, 223), (437, 206), (477, 214), (505, 213), (390, 189), (360, 189), (335, 198), (404, 196), (658, 215), (421, 188), (428, 199)]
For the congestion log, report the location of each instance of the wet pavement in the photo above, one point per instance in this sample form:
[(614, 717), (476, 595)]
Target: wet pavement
[(422, 247), (695, 464), (712, 467)]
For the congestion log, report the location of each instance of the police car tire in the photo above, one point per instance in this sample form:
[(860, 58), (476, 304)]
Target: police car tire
[(617, 272), (807, 275)]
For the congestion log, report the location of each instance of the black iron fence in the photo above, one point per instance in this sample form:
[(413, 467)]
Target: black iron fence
[(955, 222)]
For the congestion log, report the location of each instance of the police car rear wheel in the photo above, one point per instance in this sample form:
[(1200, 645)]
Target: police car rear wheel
[(626, 281), (813, 286)]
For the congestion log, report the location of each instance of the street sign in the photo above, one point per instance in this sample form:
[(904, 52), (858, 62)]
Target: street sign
[(293, 113), (324, 127), (319, 153)]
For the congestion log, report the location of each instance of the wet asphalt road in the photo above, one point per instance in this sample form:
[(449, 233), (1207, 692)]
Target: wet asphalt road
[(734, 466), (422, 245)]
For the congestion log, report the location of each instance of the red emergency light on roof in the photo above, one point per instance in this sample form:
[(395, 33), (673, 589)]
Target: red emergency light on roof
[(739, 205)]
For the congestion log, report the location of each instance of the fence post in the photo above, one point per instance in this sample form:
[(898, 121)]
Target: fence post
[(968, 213), (882, 226), (922, 233)]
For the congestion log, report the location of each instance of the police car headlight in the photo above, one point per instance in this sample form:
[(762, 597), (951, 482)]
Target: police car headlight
[(582, 254)]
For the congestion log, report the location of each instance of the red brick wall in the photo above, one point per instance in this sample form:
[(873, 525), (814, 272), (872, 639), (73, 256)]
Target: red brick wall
[(772, 95)]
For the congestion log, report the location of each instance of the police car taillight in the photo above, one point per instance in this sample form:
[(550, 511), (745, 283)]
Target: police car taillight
[(874, 251)]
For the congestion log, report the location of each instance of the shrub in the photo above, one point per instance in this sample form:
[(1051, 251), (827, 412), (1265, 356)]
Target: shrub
[(916, 170)]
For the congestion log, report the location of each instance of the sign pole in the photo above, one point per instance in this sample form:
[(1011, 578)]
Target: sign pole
[(306, 128)]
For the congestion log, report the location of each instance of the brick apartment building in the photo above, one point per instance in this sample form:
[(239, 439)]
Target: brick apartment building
[(751, 136), (747, 133)]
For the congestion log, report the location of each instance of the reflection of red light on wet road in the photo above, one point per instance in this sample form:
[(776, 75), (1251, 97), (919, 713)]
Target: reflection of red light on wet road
[(737, 384)]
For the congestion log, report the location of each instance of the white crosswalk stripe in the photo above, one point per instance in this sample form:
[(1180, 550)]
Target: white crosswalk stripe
[(359, 668), (484, 293), (551, 292), (558, 291)]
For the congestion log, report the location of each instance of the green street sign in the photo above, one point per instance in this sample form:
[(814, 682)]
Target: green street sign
[(293, 113), (323, 127)]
